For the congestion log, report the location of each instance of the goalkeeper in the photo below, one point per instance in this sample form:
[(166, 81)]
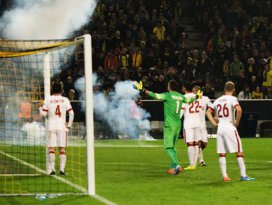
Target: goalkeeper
[(173, 112)]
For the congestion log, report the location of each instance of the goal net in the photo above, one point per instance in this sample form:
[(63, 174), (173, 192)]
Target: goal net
[(28, 69)]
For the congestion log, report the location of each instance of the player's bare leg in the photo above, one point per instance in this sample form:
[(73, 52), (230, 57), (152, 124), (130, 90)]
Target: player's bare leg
[(191, 155), (62, 158), (202, 146), (242, 167), (52, 158), (223, 166), (196, 149)]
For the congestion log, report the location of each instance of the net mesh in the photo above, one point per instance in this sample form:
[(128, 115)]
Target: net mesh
[(23, 131)]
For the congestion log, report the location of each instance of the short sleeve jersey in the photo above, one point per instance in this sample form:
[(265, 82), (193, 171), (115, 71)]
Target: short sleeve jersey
[(192, 117), (172, 106), (57, 106), (204, 103), (225, 108)]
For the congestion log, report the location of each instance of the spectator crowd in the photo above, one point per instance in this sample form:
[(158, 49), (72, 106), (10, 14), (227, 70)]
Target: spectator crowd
[(239, 43), (147, 41)]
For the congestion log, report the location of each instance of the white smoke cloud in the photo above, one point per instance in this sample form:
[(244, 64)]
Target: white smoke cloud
[(34, 133), (118, 110), (33, 20), (46, 19)]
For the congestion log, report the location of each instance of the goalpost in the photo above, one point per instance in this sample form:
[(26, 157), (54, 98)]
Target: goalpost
[(28, 69)]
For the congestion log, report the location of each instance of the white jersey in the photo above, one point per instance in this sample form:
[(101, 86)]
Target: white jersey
[(56, 107), (191, 113), (225, 108), (205, 102)]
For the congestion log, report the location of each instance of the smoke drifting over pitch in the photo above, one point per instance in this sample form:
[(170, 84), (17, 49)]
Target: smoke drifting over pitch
[(35, 20), (45, 19), (119, 110)]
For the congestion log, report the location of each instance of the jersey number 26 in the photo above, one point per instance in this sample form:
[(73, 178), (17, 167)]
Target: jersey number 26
[(222, 110)]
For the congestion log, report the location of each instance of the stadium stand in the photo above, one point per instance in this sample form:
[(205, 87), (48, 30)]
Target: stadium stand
[(204, 41)]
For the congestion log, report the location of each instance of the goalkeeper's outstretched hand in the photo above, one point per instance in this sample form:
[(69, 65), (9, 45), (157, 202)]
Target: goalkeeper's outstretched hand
[(139, 86), (199, 94)]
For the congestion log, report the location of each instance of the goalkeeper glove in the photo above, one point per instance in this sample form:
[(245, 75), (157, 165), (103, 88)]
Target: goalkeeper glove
[(139, 86), (199, 94)]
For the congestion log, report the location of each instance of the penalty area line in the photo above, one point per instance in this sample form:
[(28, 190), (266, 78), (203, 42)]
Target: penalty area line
[(80, 188)]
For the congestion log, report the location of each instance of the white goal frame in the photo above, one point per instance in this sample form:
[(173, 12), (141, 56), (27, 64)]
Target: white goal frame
[(87, 46)]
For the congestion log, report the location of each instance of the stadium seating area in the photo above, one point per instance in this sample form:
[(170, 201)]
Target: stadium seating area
[(148, 41)]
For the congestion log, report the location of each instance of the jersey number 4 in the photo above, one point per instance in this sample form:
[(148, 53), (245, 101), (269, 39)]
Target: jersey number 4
[(57, 112), (194, 107)]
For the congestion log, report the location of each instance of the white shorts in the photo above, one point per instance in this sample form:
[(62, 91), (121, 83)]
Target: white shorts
[(203, 134), (228, 140), (191, 134), (57, 138)]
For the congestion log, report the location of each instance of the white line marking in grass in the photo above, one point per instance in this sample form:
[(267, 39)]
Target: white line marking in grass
[(148, 163), (19, 175), (80, 188), (121, 146), (103, 200)]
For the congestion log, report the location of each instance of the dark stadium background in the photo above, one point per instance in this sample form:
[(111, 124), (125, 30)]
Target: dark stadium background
[(206, 42)]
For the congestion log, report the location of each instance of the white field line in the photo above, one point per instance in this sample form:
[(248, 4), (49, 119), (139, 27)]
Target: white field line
[(49, 195), (19, 175), (147, 163), (78, 144), (80, 188), (121, 146), (103, 200)]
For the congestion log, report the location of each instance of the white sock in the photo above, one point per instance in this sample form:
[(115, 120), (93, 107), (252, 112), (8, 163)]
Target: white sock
[(52, 162), (223, 166), (242, 166), (62, 158), (196, 147), (191, 154), (200, 155)]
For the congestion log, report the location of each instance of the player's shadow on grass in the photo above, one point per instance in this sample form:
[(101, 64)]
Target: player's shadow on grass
[(218, 183)]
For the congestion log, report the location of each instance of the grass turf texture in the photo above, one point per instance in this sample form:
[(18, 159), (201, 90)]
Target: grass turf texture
[(135, 172)]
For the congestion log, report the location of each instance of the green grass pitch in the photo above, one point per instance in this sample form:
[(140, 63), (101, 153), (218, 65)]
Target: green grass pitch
[(132, 172)]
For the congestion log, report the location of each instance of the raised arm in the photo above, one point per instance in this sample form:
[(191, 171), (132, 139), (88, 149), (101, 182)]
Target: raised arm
[(156, 96), (139, 86), (190, 100)]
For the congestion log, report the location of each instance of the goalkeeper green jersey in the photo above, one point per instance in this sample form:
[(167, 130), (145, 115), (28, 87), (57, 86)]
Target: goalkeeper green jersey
[(172, 102)]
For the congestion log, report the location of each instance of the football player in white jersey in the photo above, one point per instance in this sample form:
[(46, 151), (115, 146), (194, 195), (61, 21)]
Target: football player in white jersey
[(55, 108), (228, 140), (191, 126), (204, 103)]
